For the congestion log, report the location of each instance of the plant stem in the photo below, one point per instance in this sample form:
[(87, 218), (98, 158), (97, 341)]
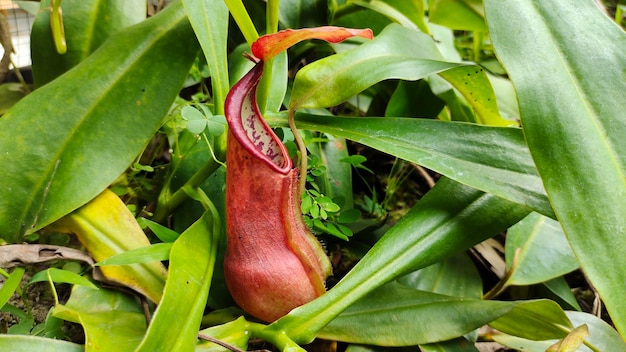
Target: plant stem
[(477, 45), (280, 340)]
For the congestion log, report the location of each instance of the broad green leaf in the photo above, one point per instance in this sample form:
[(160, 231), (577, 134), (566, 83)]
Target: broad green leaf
[(560, 287), (87, 25), (58, 155), (366, 348), (112, 320), (459, 344), (506, 96), (386, 317), (568, 65), (397, 53), (151, 253), (234, 333), (536, 320), (457, 108), (525, 344), (450, 218), (106, 227), (602, 337), (474, 85), (572, 342), (209, 19), (455, 276), (192, 261), (467, 15), (461, 151), (543, 251), (62, 277), (10, 285), (25, 343)]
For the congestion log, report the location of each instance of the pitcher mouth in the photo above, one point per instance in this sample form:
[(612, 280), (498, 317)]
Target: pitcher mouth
[(248, 126)]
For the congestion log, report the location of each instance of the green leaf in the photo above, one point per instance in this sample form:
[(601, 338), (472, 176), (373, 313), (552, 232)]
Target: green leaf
[(25, 343), (474, 85), (395, 53), (216, 125), (106, 227), (209, 19), (336, 182), (568, 66), (59, 154), (386, 317), (560, 287), (535, 320), (602, 336), (450, 218), (402, 102), (234, 333), (10, 285), (196, 121), (112, 320), (152, 253), (165, 234), (461, 151), (466, 15), (192, 260), (62, 277), (460, 344), (454, 276), (87, 25), (544, 252)]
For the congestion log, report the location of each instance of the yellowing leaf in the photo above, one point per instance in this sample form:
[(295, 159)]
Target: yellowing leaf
[(106, 227)]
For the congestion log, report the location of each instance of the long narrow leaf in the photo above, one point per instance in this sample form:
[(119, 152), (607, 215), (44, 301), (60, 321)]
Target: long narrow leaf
[(176, 321), (568, 64), (492, 159), (397, 53), (106, 228), (23, 343), (544, 252), (63, 144), (10, 285), (450, 218), (112, 320), (209, 19), (387, 317)]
